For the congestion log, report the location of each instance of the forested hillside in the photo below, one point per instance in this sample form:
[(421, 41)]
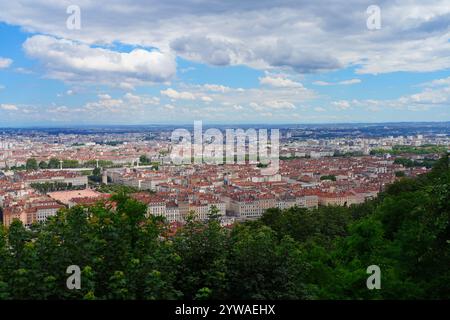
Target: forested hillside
[(290, 254)]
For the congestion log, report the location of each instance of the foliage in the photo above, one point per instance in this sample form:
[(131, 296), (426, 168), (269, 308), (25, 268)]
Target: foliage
[(43, 165), (420, 150), (101, 163), (408, 163), (31, 164), (53, 163), (45, 187), (400, 174), (143, 159), (116, 188)]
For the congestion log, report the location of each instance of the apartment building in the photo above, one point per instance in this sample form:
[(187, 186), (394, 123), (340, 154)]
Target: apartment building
[(70, 178), (29, 210)]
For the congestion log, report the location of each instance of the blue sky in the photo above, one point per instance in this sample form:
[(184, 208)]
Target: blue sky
[(294, 62)]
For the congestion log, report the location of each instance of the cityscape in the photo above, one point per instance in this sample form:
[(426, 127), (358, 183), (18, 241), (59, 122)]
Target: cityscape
[(224, 159), (44, 170)]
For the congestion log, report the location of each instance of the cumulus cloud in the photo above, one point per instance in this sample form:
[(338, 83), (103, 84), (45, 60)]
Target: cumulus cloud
[(169, 107), (217, 88), (5, 62), (115, 107), (206, 99), (438, 82), (436, 94), (218, 52), (104, 96), (349, 82), (341, 105), (295, 35), (280, 104), (76, 62), (430, 96), (282, 38), (279, 82), (278, 94), (176, 95), (9, 107)]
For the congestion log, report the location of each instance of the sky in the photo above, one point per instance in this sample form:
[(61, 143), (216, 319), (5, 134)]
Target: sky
[(83, 62)]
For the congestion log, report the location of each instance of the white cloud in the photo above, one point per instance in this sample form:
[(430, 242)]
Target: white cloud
[(9, 107), (431, 96), (349, 82), (285, 34), (216, 88), (5, 62), (104, 97), (206, 99), (343, 82), (435, 94), (106, 103), (126, 86), (279, 104), (173, 94), (132, 98), (259, 99), (75, 62), (322, 83), (23, 70), (341, 105), (59, 109), (169, 106), (279, 82), (438, 82), (256, 106), (319, 109)]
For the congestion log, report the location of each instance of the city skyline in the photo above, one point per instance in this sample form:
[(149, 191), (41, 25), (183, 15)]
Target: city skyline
[(223, 63)]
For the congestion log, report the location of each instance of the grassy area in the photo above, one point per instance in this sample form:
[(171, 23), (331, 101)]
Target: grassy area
[(399, 149)]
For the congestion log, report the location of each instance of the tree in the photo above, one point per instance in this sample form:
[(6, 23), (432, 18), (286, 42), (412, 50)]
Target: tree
[(155, 166), (43, 165), (96, 175), (96, 172), (202, 249), (53, 163), (143, 159), (262, 267), (70, 164), (399, 174), (328, 177), (31, 164)]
